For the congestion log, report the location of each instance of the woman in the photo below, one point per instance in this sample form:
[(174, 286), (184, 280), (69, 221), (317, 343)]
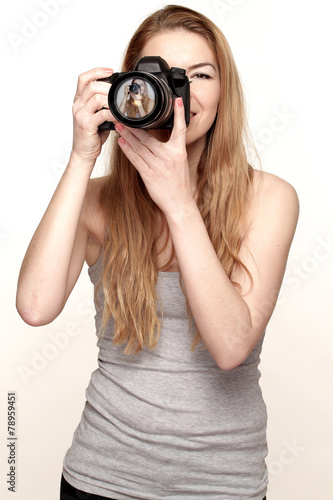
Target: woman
[(187, 247), (136, 103)]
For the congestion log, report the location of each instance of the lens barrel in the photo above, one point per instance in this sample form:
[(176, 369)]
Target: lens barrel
[(139, 99)]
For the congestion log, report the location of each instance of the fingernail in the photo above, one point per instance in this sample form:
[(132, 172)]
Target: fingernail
[(179, 101), (122, 141), (108, 70), (119, 127)]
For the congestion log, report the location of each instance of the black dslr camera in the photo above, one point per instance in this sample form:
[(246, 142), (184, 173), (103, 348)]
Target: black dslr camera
[(144, 98)]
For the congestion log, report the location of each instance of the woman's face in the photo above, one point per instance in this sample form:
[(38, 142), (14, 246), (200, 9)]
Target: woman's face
[(190, 51)]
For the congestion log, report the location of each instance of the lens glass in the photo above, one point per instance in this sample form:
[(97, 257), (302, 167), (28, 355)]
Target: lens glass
[(135, 98)]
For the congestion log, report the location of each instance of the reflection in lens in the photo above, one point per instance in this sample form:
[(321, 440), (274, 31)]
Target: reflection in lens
[(135, 98)]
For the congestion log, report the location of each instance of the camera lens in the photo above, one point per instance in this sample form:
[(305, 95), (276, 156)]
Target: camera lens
[(135, 98), (141, 100)]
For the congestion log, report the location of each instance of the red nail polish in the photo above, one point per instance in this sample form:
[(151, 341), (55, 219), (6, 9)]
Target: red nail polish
[(119, 127), (179, 101)]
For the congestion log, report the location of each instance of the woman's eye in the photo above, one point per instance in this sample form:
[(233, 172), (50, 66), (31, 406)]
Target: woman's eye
[(200, 76)]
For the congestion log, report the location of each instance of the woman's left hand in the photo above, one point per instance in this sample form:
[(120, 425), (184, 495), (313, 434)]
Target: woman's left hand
[(163, 167)]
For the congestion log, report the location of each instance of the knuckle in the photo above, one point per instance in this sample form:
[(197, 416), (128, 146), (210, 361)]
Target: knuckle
[(139, 148), (88, 90), (81, 79), (140, 163), (75, 111), (168, 162), (148, 140), (80, 121), (99, 100), (84, 125), (106, 114), (77, 121), (103, 87), (93, 87)]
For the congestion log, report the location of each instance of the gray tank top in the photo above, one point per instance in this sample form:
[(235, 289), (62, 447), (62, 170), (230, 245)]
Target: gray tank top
[(168, 423)]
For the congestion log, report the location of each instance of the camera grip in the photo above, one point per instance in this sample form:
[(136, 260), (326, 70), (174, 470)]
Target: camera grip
[(106, 126)]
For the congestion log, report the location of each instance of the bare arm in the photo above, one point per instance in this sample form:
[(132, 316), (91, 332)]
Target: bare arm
[(57, 251)]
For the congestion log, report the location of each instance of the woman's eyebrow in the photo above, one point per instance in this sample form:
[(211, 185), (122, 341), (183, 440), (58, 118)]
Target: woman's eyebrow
[(200, 65)]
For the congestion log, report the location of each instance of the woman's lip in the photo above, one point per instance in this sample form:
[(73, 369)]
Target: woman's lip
[(192, 115)]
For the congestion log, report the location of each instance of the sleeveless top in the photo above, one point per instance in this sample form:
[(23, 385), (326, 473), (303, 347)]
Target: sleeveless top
[(168, 423)]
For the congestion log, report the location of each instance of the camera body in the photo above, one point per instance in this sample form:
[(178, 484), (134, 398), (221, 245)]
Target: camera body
[(135, 88), (144, 98)]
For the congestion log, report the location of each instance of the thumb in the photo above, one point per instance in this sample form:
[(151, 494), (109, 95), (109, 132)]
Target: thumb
[(179, 124)]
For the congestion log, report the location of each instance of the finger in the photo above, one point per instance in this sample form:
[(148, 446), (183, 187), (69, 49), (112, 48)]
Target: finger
[(90, 76), (143, 136), (179, 124), (104, 115), (95, 103), (92, 121), (91, 89), (139, 141), (134, 158)]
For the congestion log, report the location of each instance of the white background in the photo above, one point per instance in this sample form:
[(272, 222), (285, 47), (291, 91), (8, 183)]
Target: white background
[(283, 49)]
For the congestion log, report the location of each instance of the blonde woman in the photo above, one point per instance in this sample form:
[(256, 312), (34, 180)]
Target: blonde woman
[(136, 103), (186, 245)]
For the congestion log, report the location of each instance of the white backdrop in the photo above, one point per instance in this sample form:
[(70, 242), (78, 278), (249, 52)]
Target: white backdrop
[(283, 49)]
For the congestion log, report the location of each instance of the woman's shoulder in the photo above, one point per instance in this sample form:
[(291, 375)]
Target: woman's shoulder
[(274, 202), (270, 189)]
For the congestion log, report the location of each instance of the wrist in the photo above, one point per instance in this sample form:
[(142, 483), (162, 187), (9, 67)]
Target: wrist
[(182, 214), (80, 161)]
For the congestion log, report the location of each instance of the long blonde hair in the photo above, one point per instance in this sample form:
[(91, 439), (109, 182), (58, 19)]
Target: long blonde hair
[(224, 178)]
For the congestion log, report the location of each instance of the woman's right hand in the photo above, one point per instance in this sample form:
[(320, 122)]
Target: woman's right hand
[(88, 113)]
